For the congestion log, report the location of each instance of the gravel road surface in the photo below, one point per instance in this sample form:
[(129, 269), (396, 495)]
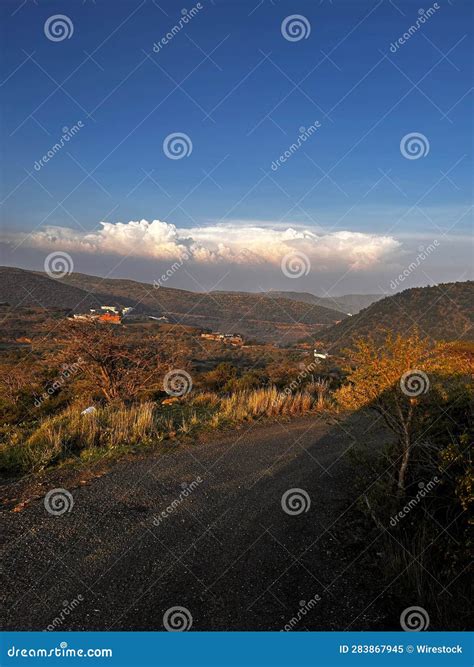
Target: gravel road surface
[(207, 527)]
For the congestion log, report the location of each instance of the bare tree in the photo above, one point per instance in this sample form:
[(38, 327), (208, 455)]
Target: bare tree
[(397, 379), (119, 366)]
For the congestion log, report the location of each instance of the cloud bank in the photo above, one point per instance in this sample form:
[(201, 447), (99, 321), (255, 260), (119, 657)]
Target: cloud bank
[(235, 244)]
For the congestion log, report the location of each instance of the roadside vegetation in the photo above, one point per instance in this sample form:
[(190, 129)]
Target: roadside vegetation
[(84, 391), (90, 390), (115, 428), (417, 494)]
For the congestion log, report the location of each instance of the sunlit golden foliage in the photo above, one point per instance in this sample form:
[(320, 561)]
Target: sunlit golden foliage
[(403, 380)]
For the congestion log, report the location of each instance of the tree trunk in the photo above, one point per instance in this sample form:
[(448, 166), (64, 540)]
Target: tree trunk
[(403, 466), (406, 446)]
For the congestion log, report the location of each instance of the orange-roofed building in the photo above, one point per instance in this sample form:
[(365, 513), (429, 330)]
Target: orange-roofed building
[(110, 318)]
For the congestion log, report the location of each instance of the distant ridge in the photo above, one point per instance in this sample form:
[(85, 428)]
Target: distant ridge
[(21, 288), (442, 312), (277, 320), (348, 303)]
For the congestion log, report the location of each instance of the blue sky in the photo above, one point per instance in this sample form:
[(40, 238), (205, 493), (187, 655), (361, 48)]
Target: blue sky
[(242, 93)]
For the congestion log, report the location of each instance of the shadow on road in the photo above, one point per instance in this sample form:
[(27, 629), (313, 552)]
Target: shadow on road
[(247, 532)]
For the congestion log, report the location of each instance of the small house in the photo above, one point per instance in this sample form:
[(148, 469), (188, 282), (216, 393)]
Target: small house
[(320, 354)]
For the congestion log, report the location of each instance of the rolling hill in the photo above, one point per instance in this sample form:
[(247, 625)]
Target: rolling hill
[(278, 320), (442, 312), (348, 303), (27, 289)]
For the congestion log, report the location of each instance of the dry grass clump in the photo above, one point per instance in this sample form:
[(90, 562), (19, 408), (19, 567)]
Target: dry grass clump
[(71, 432), (74, 434), (117, 426), (269, 402), (206, 399), (320, 388)]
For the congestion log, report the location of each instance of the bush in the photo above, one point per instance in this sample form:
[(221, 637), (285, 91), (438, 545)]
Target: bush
[(425, 520)]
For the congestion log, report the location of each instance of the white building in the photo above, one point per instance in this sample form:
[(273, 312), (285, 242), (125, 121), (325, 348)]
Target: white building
[(320, 354)]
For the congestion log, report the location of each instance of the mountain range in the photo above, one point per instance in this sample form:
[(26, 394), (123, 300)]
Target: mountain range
[(442, 312), (253, 315), (350, 304)]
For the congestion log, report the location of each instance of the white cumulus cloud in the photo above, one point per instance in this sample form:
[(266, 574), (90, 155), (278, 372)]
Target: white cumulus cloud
[(231, 243)]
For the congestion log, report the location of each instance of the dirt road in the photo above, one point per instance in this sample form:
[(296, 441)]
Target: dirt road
[(214, 527)]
